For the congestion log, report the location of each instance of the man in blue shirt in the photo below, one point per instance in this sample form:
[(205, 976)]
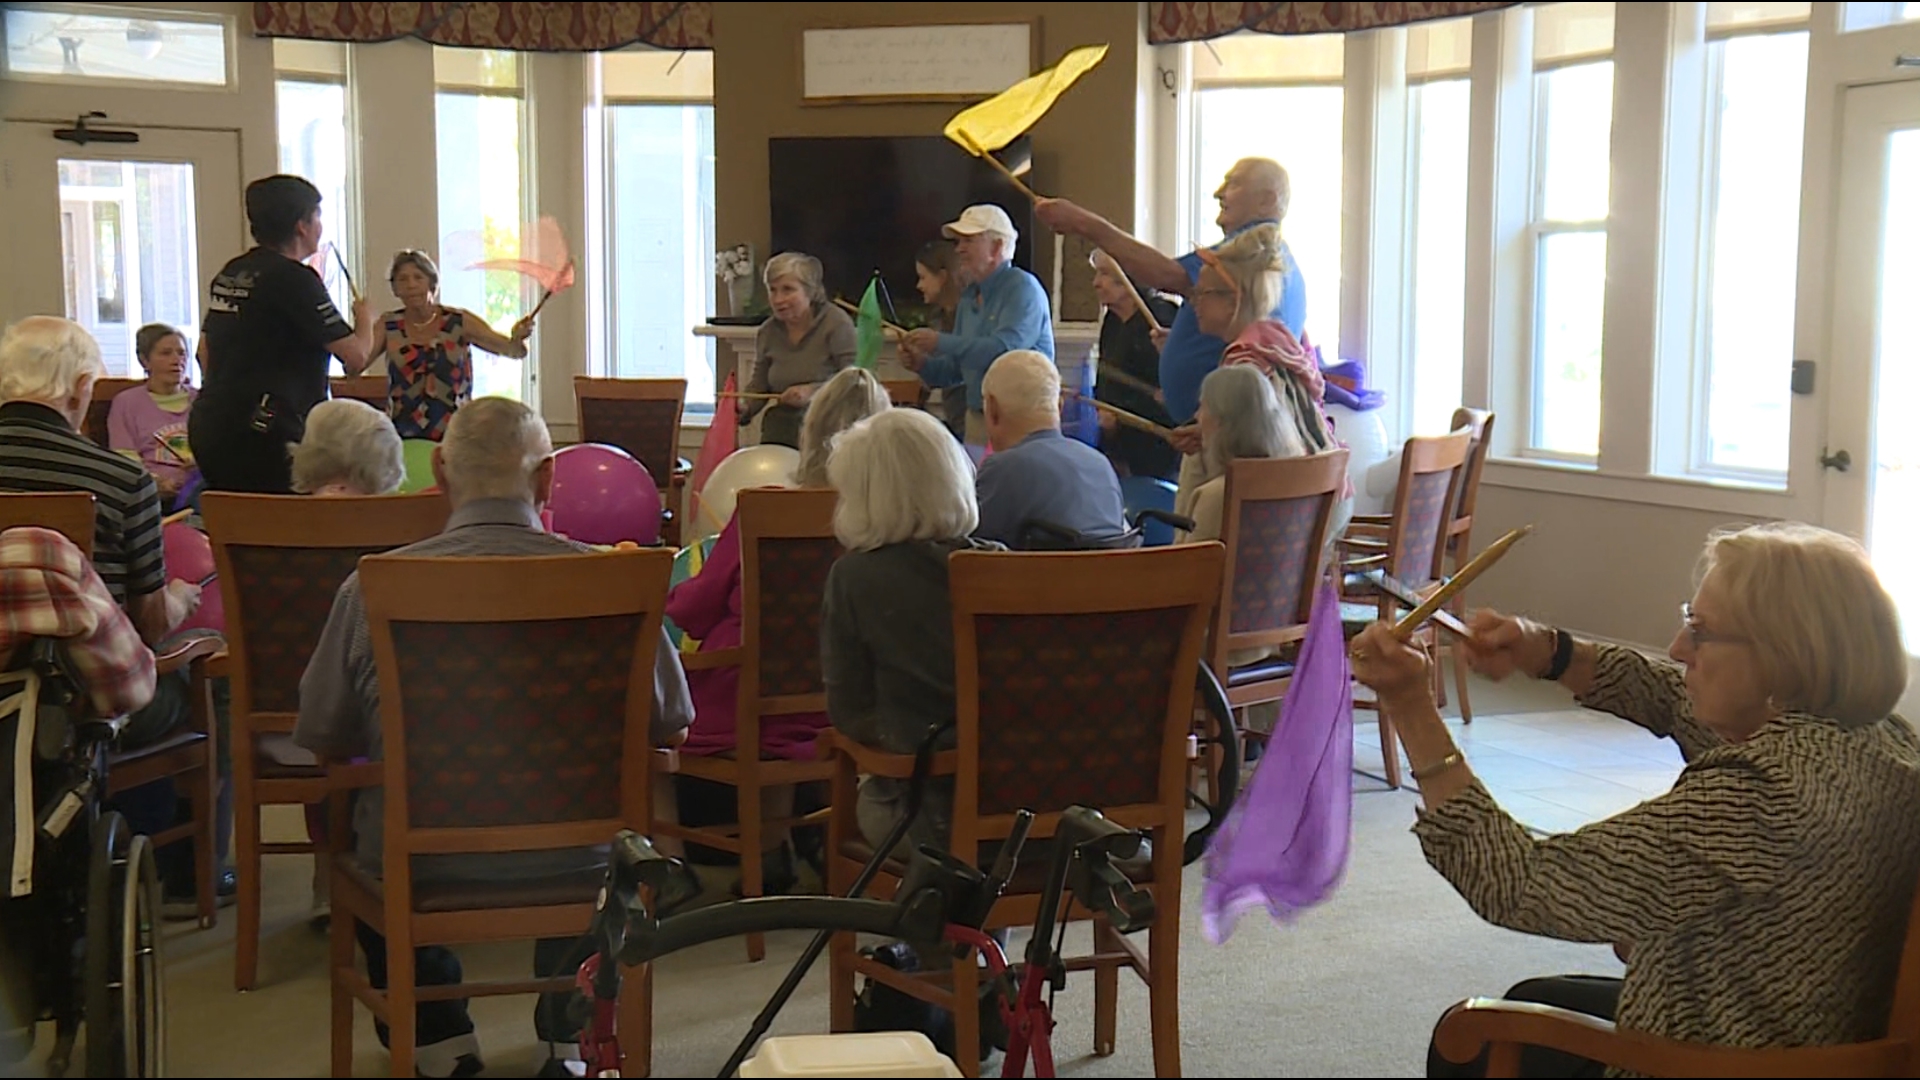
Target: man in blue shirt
[(1002, 309), (1255, 192), (1037, 474)]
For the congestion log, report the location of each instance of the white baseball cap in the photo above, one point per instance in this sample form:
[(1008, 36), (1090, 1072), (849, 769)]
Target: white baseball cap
[(983, 218)]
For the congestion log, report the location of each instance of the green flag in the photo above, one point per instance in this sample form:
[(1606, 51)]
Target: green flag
[(867, 350)]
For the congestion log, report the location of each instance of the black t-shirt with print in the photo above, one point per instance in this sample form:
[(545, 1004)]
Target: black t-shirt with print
[(267, 332)]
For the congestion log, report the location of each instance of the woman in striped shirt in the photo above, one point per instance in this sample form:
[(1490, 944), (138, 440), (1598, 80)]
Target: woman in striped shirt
[(1763, 901)]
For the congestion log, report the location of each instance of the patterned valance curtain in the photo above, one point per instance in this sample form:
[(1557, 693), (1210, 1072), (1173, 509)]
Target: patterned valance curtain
[(1168, 23), (526, 27)]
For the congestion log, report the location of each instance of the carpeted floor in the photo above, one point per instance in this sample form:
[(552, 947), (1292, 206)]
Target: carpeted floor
[(1350, 989)]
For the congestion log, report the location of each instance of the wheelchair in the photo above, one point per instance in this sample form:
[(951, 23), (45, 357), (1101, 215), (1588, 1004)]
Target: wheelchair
[(80, 917), (1036, 535)]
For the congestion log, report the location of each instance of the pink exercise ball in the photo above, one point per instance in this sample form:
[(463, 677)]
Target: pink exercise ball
[(602, 495), (189, 557)]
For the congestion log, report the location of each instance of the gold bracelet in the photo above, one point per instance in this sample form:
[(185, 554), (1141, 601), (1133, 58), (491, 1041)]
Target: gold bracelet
[(1439, 767)]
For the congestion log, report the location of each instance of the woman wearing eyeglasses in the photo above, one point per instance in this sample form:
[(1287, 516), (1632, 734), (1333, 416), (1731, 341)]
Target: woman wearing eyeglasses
[(429, 367), (1764, 900)]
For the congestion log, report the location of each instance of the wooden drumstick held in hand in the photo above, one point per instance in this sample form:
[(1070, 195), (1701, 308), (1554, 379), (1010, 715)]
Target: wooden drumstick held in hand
[(1477, 566)]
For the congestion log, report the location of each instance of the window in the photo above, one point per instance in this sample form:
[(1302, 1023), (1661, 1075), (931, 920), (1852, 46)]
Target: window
[(659, 217), (1755, 108), (127, 242), (1438, 93), (1261, 95), (1573, 129), (480, 123), (310, 97), (96, 43)]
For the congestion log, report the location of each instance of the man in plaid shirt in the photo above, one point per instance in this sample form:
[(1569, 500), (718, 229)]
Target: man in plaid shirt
[(48, 589)]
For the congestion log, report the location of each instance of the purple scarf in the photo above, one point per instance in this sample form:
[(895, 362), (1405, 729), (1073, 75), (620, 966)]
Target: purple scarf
[(1284, 843)]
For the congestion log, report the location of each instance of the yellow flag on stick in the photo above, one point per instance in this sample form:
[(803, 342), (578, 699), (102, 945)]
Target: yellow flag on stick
[(992, 124)]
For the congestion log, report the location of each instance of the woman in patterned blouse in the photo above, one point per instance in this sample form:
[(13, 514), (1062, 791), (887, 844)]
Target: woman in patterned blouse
[(1763, 901), (429, 368)]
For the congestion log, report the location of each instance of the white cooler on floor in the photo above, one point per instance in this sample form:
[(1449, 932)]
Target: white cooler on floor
[(875, 1053)]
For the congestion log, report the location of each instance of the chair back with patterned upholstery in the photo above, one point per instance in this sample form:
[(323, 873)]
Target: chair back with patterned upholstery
[(94, 427), (640, 416), (1074, 676), (1431, 469), (69, 513), (1276, 517), (786, 548), (281, 559), (516, 696), (371, 389), (1478, 424)]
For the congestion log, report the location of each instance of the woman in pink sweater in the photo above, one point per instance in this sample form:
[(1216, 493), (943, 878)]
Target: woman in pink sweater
[(151, 423)]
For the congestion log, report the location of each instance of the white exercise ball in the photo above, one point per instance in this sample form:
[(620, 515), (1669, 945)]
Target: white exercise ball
[(1372, 460), (766, 465)]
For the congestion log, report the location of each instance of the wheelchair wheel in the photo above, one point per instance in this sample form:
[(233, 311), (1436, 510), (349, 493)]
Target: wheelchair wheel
[(124, 1017)]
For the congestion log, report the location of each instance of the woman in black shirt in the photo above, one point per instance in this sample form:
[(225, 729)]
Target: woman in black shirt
[(269, 331), (1129, 374)]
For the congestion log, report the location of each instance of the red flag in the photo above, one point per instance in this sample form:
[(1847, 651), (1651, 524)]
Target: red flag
[(723, 438)]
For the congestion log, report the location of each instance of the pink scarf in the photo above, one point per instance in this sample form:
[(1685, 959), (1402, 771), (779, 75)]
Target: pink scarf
[(1269, 346)]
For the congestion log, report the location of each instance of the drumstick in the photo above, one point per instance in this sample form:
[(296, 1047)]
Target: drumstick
[(884, 324), (1133, 382), (176, 517), (1131, 420), (1474, 568), (747, 395)]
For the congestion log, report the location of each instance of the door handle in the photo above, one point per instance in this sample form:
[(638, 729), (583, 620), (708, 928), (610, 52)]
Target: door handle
[(1838, 461)]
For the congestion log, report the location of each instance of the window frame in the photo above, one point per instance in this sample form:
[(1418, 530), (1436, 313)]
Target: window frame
[(228, 37), (1539, 229), (1410, 261)]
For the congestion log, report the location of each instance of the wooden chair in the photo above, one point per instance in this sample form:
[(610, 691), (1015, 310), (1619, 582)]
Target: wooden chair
[(786, 548), (1075, 685), (104, 391), (1275, 523), (642, 417), (1478, 424), (281, 559), (1413, 551), (190, 755), (371, 389), (906, 393), (472, 655), (1503, 1027)]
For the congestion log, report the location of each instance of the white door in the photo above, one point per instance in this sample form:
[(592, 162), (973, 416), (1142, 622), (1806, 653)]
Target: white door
[(137, 229), (1875, 492)]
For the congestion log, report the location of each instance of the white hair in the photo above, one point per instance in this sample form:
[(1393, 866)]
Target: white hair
[(492, 448), (846, 399), (802, 268), (352, 443), (46, 358), (901, 476), (1025, 383), (1250, 420)]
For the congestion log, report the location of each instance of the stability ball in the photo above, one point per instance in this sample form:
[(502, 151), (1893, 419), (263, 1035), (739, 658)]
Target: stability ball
[(189, 556), (766, 465), (1373, 463), (601, 495), (419, 458)]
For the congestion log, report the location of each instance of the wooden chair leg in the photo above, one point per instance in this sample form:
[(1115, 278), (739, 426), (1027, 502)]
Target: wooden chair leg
[(635, 1022), (1106, 988), (340, 939), (1389, 749), (1460, 683), (966, 1013), (752, 878), (840, 956), (206, 861), (246, 846), (1163, 981), (402, 1008)]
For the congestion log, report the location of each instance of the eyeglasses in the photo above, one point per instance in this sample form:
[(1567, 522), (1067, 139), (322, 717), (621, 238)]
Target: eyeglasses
[(1197, 293), (1702, 636)]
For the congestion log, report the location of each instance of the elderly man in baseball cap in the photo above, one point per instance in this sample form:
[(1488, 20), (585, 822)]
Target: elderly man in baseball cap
[(1002, 309)]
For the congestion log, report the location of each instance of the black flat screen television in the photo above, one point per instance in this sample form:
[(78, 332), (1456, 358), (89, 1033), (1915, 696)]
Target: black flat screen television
[(860, 204)]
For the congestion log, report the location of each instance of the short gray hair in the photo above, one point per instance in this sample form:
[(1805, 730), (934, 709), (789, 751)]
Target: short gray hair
[(804, 269), (1250, 419), (1025, 383), (348, 442), (845, 400), (45, 358), (901, 476), (492, 448)]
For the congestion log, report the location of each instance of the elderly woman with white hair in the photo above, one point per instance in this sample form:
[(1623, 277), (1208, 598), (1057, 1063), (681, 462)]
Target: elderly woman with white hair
[(886, 625), (349, 448), (802, 346), (1764, 900)]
